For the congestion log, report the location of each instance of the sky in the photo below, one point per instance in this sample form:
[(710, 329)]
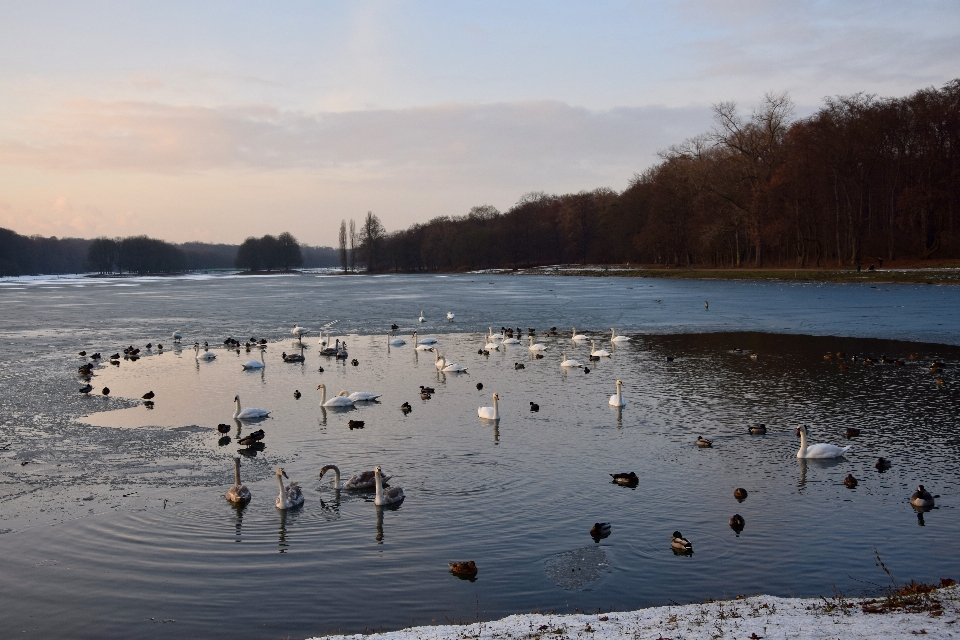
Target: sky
[(215, 121)]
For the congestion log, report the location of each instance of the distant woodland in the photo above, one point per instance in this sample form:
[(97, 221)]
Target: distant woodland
[(863, 178)]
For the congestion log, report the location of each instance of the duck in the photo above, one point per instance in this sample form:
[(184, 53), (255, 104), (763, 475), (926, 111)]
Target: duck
[(394, 327), (406, 408), (820, 450), (740, 494), (598, 353), (851, 432), (737, 523), (678, 542), (105, 391), (850, 481), (223, 428), (479, 386), (251, 438), (519, 365), (703, 442), (355, 424), (296, 394), (617, 399), (578, 336), (290, 496), (293, 357), (535, 347), (339, 400), (615, 338), (534, 407), (82, 353), (238, 493), (627, 479), (97, 356), (355, 362), (250, 413), (466, 569), (424, 389), (393, 495), (586, 369), (363, 396), (363, 481), (883, 464), (490, 413), (568, 364), (757, 429), (922, 498), (149, 395), (600, 530)]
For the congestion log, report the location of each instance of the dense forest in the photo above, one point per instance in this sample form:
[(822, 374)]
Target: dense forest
[(862, 178), (34, 255)]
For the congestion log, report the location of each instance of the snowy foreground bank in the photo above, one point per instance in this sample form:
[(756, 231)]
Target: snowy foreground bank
[(932, 615)]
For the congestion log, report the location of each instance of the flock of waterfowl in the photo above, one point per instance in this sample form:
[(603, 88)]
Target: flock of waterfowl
[(291, 496)]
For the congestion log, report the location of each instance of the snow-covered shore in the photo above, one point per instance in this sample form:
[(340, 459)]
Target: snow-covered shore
[(748, 618)]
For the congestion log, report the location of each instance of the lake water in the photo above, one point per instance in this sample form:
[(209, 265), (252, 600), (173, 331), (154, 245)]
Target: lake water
[(113, 521)]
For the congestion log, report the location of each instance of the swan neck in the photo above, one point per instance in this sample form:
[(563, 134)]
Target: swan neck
[(237, 412), (283, 492), (236, 471), (496, 408), (803, 444), (379, 487), (619, 397), (323, 396)]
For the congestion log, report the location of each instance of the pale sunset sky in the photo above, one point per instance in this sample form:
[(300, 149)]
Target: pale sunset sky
[(215, 121)]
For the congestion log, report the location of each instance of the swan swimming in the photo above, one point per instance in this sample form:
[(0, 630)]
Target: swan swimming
[(363, 396), (536, 347), (598, 353), (491, 343), (177, 336), (819, 450), (238, 493), (393, 495), (491, 413), (505, 340), (339, 400), (578, 336), (616, 400), (568, 363), (255, 364), (323, 342), (250, 413), (395, 342), (206, 355), (421, 318), (616, 338), (290, 496), (363, 481)]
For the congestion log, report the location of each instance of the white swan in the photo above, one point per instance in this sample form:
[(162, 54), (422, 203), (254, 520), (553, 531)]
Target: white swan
[(290, 496), (427, 341), (363, 481), (491, 344), (207, 355), (363, 396), (491, 413), (177, 336), (421, 318), (440, 361), (616, 338), (238, 493), (578, 336), (536, 347), (323, 341), (819, 450), (616, 400), (299, 331), (449, 367), (393, 495), (598, 353), (250, 413), (568, 363), (339, 400), (255, 364), (395, 342), (505, 340), (450, 315)]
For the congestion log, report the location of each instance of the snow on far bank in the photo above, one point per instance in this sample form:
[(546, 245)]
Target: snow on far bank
[(748, 619)]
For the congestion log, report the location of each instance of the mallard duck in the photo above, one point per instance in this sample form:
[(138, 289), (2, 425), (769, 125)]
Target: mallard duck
[(149, 395), (843, 367), (678, 542), (703, 442), (628, 479), (252, 438), (740, 494), (406, 408), (87, 388), (106, 391), (223, 428), (534, 407), (737, 523), (82, 353), (757, 429), (518, 365), (922, 498), (479, 386), (467, 569), (850, 481), (586, 369), (424, 389), (600, 530), (297, 394), (851, 432), (355, 362), (355, 424), (883, 463)]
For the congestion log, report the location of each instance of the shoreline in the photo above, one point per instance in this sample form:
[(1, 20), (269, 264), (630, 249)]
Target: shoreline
[(905, 614)]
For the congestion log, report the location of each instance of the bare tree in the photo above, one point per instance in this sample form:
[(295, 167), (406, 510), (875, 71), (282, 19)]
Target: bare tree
[(343, 245), (353, 245), (371, 240)]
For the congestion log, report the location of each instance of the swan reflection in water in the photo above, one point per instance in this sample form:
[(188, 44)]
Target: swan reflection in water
[(815, 463), (239, 508), (380, 525), (287, 516)]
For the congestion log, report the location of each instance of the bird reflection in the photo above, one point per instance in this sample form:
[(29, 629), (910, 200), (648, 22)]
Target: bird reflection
[(496, 433), (239, 508), (803, 474), (619, 417), (282, 531), (323, 416), (920, 521), (333, 507), (379, 525)]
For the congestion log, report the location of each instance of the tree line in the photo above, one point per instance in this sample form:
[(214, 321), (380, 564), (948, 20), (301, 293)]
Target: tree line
[(863, 178), (269, 253)]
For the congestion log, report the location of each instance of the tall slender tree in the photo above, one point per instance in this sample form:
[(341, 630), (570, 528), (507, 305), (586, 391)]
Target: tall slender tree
[(343, 245), (353, 245)]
